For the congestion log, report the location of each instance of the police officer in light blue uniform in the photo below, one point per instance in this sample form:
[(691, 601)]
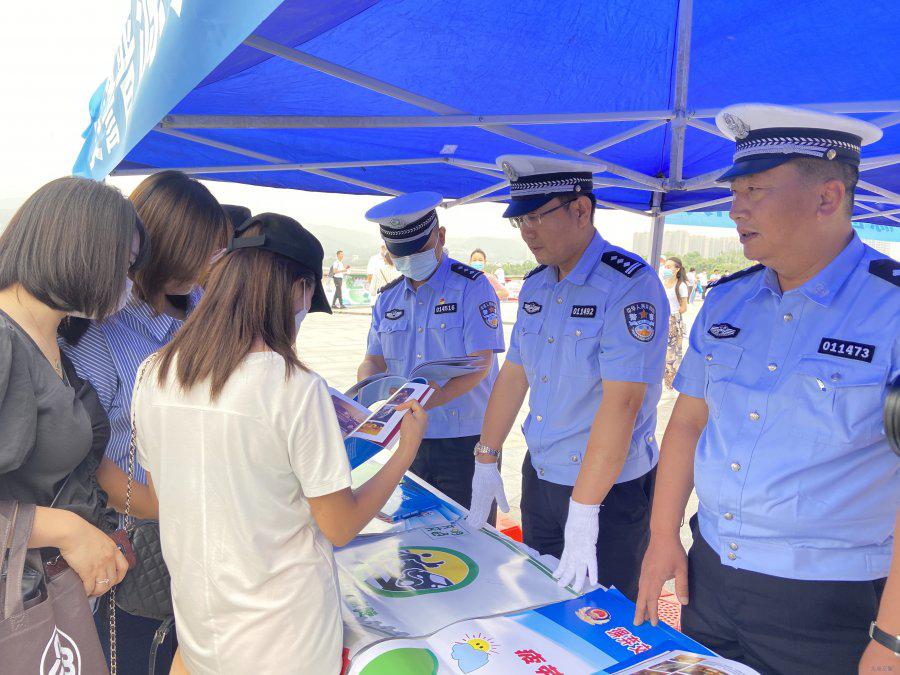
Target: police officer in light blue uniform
[(438, 309), (589, 343), (782, 390)]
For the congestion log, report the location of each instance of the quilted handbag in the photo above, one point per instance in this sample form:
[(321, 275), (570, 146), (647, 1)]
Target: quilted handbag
[(146, 589)]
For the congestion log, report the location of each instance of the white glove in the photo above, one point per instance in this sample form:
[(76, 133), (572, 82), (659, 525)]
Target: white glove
[(579, 558), (487, 485)]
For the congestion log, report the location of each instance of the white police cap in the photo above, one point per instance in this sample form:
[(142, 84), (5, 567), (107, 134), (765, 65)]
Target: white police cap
[(535, 180), (406, 221), (768, 135)]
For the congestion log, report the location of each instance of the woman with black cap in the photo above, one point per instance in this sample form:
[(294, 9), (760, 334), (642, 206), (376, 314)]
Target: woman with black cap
[(249, 467)]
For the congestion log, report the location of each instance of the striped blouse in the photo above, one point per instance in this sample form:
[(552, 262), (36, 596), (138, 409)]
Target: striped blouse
[(109, 355)]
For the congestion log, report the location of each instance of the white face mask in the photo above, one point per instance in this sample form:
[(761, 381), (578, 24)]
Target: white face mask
[(418, 266), (120, 305)]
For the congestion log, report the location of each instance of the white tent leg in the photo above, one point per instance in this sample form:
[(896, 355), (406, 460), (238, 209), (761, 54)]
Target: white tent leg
[(656, 230)]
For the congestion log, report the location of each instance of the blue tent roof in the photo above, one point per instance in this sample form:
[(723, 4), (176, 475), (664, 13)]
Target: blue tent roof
[(373, 97)]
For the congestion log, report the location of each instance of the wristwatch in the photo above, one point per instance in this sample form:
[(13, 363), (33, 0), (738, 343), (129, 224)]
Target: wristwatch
[(482, 449), (885, 639)]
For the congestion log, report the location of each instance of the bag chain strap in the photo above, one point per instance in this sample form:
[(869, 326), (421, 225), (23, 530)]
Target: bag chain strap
[(129, 522)]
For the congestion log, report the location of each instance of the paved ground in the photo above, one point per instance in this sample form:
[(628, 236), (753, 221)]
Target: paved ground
[(335, 345)]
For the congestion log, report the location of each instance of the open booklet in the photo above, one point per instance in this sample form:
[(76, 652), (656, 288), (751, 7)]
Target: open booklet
[(367, 433), (374, 387)]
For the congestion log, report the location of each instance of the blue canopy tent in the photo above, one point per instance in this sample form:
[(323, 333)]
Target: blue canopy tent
[(391, 96)]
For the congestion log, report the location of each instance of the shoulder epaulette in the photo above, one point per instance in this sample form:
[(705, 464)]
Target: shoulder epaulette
[(737, 275), (390, 284), (534, 271), (623, 263), (466, 271), (886, 268)]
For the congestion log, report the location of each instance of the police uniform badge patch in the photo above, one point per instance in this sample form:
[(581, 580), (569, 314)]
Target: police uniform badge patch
[(393, 314), (532, 307), (489, 314), (887, 269), (466, 271), (640, 317), (622, 263), (723, 330)]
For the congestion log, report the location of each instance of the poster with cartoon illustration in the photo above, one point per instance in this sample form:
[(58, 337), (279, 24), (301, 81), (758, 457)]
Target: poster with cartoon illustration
[(590, 634), (416, 582)]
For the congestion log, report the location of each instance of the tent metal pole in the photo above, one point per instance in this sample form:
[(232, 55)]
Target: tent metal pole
[(887, 120), (700, 205), (865, 185), (399, 121), (847, 108), (387, 89), (873, 199), (276, 160), (890, 212), (624, 136), (475, 196), (265, 168), (876, 212), (704, 180), (707, 127), (221, 146), (476, 167), (878, 162), (682, 70), (657, 228), (619, 207), (596, 147)]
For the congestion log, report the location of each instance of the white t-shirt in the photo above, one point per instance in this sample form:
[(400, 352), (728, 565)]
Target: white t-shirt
[(674, 306), (376, 262), (500, 275), (337, 269), (254, 586)]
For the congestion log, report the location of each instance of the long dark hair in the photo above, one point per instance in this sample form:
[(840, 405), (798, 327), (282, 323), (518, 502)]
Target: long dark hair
[(680, 276), (249, 295)]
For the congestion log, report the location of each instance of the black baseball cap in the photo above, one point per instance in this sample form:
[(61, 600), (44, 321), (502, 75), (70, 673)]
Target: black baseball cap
[(237, 214), (285, 236)]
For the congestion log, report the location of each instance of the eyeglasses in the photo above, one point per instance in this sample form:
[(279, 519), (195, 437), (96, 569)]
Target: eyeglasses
[(533, 220)]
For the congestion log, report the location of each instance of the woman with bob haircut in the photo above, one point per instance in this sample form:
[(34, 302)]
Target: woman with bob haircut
[(66, 251), (186, 226), (242, 447)]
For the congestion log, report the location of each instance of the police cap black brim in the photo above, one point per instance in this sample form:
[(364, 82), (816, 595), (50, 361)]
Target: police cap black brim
[(752, 166), (519, 207)]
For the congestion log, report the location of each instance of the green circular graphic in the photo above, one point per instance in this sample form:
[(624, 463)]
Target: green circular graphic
[(405, 661), (425, 569)]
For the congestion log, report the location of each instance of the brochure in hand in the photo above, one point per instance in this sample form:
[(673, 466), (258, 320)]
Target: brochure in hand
[(367, 433), (378, 387)]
